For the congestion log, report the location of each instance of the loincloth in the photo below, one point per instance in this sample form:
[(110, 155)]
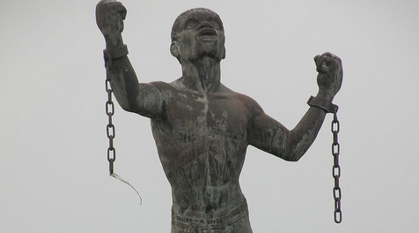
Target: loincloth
[(236, 221)]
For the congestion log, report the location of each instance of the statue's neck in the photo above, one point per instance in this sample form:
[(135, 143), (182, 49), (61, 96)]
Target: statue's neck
[(202, 74)]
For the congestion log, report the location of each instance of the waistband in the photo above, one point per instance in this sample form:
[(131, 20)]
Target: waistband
[(234, 215)]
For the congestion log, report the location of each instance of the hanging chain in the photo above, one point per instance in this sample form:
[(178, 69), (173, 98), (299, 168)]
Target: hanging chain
[(110, 128), (110, 132), (337, 194)]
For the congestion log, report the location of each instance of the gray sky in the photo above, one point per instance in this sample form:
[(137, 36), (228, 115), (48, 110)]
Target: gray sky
[(53, 139)]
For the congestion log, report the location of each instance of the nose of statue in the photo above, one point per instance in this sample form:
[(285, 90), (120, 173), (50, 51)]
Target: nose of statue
[(205, 25)]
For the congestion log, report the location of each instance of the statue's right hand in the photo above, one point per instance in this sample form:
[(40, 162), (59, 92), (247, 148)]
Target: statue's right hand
[(109, 18)]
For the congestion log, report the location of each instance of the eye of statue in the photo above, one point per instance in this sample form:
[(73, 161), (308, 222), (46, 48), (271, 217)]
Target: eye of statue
[(191, 24), (216, 25)]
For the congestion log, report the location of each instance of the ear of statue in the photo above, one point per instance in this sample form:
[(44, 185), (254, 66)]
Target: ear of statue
[(174, 49)]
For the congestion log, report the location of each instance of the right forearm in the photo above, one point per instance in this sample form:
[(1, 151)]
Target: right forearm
[(124, 81)]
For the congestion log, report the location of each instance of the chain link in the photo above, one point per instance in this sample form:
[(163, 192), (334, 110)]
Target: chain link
[(337, 193), (110, 128)]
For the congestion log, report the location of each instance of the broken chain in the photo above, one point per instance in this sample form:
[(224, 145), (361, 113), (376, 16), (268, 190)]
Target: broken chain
[(337, 193), (110, 128)]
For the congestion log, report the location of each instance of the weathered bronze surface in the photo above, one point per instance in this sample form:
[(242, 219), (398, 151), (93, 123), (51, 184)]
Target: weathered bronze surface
[(201, 127)]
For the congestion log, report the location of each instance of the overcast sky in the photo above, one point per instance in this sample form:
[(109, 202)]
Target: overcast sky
[(52, 113)]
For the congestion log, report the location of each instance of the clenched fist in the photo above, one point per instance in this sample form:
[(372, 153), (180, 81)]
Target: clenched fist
[(109, 18), (330, 74)]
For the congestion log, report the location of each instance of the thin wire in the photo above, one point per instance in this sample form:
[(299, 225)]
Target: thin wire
[(114, 175)]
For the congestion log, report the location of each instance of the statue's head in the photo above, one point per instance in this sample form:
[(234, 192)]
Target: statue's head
[(196, 33)]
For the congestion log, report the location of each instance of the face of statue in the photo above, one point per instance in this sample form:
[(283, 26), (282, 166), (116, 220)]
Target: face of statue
[(199, 34)]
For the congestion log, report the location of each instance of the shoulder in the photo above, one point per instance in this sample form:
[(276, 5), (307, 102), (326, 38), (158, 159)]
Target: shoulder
[(172, 86), (161, 86), (251, 105)]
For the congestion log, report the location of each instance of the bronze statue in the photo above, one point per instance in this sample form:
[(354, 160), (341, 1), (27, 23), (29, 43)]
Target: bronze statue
[(201, 127)]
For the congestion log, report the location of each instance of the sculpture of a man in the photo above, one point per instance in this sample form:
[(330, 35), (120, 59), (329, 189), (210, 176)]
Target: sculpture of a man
[(201, 127)]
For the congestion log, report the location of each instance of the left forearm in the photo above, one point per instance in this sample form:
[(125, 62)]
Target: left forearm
[(305, 132)]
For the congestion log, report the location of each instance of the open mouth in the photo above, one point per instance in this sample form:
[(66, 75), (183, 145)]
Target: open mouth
[(208, 34)]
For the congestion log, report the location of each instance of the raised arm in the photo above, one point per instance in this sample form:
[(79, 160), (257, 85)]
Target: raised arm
[(132, 96), (269, 135)]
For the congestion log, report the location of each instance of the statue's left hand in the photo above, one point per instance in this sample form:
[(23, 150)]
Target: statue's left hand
[(330, 74)]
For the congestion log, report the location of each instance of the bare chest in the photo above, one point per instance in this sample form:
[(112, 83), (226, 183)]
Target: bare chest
[(197, 130), (201, 116)]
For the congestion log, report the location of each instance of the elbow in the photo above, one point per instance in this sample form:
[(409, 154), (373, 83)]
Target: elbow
[(292, 157), (129, 104), (293, 153), (287, 155), (126, 107), (296, 148)]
